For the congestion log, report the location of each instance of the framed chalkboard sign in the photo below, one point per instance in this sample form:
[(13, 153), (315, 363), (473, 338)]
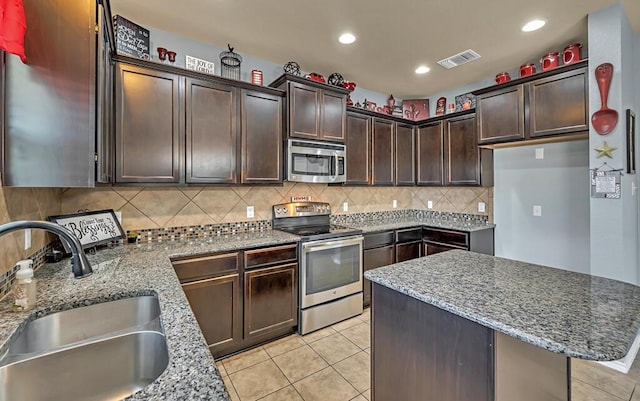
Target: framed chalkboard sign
[(131, 39), (91, 228)]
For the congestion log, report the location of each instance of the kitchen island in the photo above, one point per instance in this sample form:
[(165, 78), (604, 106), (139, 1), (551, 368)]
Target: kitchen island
[(460, 326), (143, 269)]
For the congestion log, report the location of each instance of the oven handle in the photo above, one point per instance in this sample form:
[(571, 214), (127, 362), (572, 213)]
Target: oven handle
[(322, 245)]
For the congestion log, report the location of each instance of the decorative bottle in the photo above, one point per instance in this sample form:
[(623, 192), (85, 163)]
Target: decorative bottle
[(24, 288)]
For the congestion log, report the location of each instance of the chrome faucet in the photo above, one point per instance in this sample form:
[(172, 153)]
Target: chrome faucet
[(79, 262)]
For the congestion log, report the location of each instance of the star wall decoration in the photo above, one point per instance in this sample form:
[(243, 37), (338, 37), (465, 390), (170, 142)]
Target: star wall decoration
[(605, 150)]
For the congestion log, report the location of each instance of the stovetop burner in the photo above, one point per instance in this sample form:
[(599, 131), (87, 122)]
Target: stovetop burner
[(310, 220)]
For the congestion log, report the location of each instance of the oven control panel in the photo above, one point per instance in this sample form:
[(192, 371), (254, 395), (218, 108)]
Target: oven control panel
[(299, 209)]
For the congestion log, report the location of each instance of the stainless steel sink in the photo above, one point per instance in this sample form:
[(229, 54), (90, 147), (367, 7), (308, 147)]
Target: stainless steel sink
[(105, 351), (110, 369), (73, 325)]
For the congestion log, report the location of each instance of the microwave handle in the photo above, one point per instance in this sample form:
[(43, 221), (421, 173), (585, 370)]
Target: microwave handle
[(336, 166)]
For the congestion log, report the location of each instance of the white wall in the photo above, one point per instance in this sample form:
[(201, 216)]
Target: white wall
[(614, 222), (185, 46), (560, 184)]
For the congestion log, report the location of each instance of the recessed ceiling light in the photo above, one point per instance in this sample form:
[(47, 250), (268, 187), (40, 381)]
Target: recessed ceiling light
[(347, 38), (533, 25), (423, 69)]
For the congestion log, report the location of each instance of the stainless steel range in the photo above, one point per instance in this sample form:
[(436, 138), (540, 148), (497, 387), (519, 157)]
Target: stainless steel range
[(330, 264)]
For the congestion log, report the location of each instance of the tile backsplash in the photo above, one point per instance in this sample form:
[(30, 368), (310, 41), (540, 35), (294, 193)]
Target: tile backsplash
[(155, 208), (152, 208)]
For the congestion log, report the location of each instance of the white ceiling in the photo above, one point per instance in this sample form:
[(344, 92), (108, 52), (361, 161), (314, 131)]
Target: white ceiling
[(394, 36)]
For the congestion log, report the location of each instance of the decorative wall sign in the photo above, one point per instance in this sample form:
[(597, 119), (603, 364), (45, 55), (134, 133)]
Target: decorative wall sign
[(91, 228), (131, 39), (605, 150), (631, 142), (440, 106), (415, 109), (199, 65), (605, 183)]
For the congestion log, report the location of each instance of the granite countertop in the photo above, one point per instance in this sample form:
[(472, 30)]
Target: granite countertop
[(144, 269), (568, 313), (370, 226)]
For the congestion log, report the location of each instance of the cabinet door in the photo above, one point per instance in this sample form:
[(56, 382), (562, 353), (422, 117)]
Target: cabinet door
[(148, 133), (261, 138), (217, 307), (333, 112), (462, 156), (430, 157), (501, 115), (432, 249), (304, 111), (405, 148), (358, 149), (270, 299), (559, 104), (408, 251), (374, 258), (212, 136), (382, 141)]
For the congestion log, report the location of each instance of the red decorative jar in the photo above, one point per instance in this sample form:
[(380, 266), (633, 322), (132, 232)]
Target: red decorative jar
[(527, 69), (503, 77)]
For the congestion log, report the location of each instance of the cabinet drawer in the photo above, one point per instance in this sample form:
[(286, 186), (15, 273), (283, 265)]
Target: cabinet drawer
[(408, 235), (378, 239), (447, 237), (191, 269), (269, 256)]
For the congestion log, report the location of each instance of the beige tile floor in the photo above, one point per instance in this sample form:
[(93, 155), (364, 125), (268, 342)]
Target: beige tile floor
[(332, 364)]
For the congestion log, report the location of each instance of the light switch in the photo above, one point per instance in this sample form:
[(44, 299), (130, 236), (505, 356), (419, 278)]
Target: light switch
[(429, 204), (345, 207), (250, 212), (27, 238), (481, 207), (395, 203), (537, 210), (539, 153)]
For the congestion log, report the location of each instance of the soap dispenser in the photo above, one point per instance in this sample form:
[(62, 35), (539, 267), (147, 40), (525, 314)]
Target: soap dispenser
[(24, 289)]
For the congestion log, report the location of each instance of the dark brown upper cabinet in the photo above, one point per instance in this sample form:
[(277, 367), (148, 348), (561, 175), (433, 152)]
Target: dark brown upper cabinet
[(429, 154), (181, 127), (149, 112), (261, 138), (462, 155), (543, 106), (358, 149), (212, 134), (405, 155), (314, 110), (559, 104), (383, 152)]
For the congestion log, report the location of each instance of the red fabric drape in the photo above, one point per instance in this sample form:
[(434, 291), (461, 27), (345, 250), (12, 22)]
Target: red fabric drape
[(13, 27)]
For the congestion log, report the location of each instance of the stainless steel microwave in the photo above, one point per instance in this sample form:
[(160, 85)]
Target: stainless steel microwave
[(313, 161)]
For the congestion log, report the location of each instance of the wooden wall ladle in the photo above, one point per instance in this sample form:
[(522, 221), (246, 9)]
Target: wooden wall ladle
[(605, 119)]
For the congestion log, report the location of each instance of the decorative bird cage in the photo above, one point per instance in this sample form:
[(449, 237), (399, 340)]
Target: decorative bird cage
[(230, 64)]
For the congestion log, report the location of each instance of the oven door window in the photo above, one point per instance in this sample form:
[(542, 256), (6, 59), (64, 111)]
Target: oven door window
[(312, 164), (329, 269)]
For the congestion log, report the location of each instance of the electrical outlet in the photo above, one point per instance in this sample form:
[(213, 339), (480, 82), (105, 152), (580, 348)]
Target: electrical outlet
[(537, 210), (481, 207), (395, 203), (539, 153), (429, 204), (345, 207), (27, 239), (250, 212)]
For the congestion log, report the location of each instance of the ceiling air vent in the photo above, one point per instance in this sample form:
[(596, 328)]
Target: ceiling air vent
[(459, 59)]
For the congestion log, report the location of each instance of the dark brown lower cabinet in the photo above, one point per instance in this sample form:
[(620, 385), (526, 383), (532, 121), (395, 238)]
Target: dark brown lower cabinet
[(436, 240), (378, 252), (270, 299), (423, 353), (431, 248), (241, 299), (212, 286), (408, 251)]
